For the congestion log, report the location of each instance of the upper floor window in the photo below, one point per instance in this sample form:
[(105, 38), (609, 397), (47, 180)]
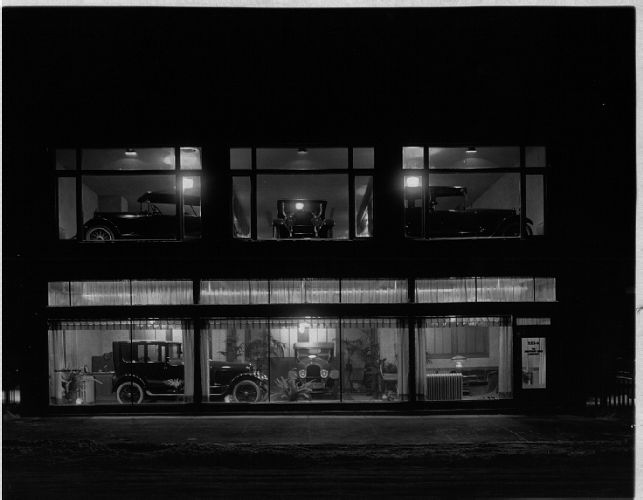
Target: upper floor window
[(469, 192), (129, 194), (302, 193)]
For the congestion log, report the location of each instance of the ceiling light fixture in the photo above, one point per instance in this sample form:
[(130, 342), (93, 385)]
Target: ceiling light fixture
[(472, 149), (299, 205), (131, 152), (302, 151), (412, 182)]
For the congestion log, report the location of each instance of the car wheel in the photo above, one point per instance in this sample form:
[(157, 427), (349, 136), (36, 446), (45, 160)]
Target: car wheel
[(246, 391), (99, 233), (129, 392)]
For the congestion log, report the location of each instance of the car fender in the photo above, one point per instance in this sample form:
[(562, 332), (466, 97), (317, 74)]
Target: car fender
[(101, 221), (245, 376), (508, 221)]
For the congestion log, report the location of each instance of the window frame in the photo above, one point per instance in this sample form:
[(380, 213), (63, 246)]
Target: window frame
[(523, 170), (78, 173), (253, 172)]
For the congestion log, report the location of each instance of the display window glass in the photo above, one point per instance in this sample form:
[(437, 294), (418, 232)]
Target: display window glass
[(120, 362), (473, 192), (296, 360), (302, 193), (129, 194), (464, 358)]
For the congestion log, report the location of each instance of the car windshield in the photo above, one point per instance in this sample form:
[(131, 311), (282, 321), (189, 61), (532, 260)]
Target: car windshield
[(449, 203), (313, 352)]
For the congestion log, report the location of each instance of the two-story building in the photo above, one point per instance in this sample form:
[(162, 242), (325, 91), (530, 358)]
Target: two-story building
[(222, 210)]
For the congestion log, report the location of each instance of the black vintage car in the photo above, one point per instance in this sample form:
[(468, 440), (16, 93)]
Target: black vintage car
[(154, 369), (447, 216), (150, 222), (302, 219), (316, 364)]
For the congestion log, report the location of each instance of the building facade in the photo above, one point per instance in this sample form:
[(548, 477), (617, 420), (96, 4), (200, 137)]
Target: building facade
[(277, 210)]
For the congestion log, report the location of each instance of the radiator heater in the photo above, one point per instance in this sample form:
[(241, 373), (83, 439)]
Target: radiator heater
[(443, 386)]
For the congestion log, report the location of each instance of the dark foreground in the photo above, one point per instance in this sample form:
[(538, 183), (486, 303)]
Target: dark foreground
[(318, 457)]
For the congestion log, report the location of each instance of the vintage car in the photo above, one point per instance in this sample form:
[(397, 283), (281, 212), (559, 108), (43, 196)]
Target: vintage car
[(448, 216), (302, 219), (154, 369), (150, 222), (316, 364)]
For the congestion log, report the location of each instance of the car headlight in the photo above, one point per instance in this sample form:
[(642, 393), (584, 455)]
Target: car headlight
[(302, 373), (324, 373)]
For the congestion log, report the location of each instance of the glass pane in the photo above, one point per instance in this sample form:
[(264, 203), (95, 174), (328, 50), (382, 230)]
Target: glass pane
[(533, 321), (128, 159), (534, 363), (287, 291), (58, 294), (67, 227), (375, 360), (100, 293), (322, 291), (413, 206), (65, 159), (505, 289), (304, 360), (302, 206), (82, 363), (535, 200), (161, 292), (474, 157), (225, 292), (374, 291), (413, 157), (445, 290), (167, 366), (241, 220), (464, 359), (363, 206), (192, 207), (302, 158), (259, 292), (190, 158), (363, 158), (241, 158), (535, 156), (473, 205), (545, 289), (129, 207), (236, 360)]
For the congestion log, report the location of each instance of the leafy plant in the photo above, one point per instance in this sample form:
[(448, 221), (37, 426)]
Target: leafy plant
[(293, 391)]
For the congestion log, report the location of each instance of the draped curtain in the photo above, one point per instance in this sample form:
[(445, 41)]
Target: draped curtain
[(505, 363), (187, 337)]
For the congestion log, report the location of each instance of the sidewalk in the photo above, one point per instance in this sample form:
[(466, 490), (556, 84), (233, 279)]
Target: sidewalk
[(282, 456)]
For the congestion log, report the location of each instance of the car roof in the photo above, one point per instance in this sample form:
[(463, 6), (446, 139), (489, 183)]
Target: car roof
[(158, 197), (436, 191)]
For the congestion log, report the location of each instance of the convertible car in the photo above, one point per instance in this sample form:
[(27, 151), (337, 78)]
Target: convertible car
[(155, 370), (315, 364), (150, 222), (447, 216), (302, 219)]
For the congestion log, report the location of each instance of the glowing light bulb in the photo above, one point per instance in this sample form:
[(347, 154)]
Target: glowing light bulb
[(412, 182), (299, 205)]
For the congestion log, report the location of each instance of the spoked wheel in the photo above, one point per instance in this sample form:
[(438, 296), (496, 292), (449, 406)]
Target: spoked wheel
[(246, 391), (99, 233), (129, 393)]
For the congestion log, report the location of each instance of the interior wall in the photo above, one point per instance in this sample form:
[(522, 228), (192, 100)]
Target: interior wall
[(504, 193)]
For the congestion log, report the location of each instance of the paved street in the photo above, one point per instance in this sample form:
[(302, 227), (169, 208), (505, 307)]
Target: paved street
[(332, 456)]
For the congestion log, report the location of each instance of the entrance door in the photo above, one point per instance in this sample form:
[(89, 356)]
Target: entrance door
[(533, 358)]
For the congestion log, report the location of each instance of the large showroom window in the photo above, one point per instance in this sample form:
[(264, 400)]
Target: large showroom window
[(302, 193), (129, 194), (304, 360), (474, 192), (464, 358), (121, 362)]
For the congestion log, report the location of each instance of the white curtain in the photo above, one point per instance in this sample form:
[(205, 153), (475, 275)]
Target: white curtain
[(56, 362), (374, 291), (420, 363), (505, 362), (402, 357), (188, 362), (205, 365)]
